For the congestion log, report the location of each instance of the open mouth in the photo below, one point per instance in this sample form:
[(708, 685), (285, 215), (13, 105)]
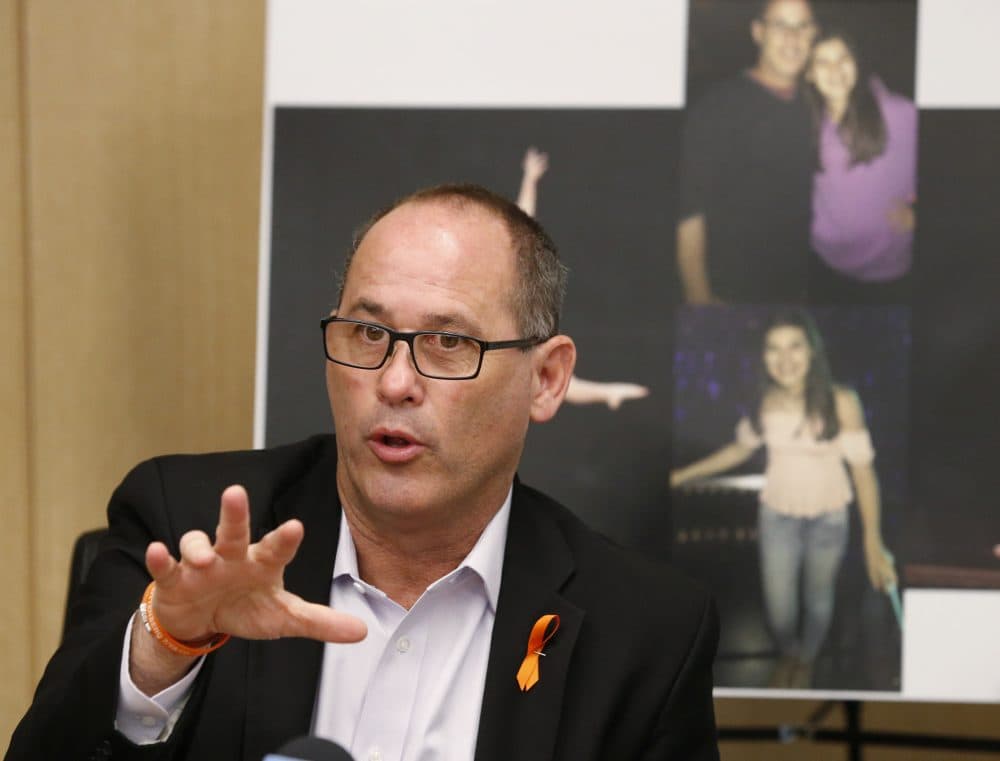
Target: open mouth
[(395, 441), (394, 446)]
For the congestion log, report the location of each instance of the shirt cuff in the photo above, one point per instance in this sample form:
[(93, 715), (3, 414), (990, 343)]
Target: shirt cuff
[(144, 720)]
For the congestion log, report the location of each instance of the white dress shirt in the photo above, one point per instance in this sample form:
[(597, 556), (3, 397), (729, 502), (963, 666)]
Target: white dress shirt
[(410, 691)]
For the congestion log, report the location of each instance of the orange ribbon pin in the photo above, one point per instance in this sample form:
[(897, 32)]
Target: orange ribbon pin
[(543, 630)]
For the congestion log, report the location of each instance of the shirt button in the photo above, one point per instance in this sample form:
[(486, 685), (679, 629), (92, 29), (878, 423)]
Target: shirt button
[(359, 587), (374, 755), (403, 644), (148, 721)]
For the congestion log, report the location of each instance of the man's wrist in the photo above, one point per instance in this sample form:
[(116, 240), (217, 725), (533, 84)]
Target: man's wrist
[(151, 666), (188, 648)]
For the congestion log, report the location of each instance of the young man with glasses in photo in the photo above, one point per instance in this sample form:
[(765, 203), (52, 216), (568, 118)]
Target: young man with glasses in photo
[(394, 588)]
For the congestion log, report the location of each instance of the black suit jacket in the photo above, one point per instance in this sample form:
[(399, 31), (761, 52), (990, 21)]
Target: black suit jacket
[(627, 675)]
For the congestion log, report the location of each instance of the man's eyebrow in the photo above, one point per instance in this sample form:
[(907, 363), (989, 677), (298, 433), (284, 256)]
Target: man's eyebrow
[(449, 322), (370, 308)]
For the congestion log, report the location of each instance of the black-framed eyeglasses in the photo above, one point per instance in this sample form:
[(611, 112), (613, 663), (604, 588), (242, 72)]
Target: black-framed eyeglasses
[(436, 354)]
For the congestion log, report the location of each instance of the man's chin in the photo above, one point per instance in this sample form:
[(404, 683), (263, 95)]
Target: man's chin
[(398, 487)]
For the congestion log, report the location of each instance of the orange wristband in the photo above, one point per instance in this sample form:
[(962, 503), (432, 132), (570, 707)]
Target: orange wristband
[(163, 636)]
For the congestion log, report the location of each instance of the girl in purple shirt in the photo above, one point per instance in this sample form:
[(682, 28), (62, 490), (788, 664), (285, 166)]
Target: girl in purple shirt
[(865, 185)]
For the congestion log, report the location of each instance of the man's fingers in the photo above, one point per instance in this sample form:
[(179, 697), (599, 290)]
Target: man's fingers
[(279, 546), (232, 537), (196, 549), (160, 563), (321, 622)]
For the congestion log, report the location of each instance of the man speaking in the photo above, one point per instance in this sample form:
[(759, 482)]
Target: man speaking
[(394, 588)]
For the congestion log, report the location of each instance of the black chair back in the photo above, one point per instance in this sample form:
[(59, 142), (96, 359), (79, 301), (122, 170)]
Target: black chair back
[(84, 552)]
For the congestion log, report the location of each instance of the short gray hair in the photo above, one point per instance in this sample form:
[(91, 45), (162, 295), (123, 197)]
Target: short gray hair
[(538, 296)]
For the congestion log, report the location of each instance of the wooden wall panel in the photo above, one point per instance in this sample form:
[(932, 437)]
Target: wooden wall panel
[(145, 139), (16, 674)]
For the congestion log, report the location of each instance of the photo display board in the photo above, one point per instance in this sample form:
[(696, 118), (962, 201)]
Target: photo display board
[(781, 229)]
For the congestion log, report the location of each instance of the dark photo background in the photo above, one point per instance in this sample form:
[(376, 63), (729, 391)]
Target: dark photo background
[(954, 518), (607, 199), (716, 376)]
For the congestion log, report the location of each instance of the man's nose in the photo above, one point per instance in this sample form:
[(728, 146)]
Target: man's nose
[(398, 378)]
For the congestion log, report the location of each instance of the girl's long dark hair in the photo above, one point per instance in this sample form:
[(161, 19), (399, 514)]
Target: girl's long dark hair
[(863, 127), (819, 399)]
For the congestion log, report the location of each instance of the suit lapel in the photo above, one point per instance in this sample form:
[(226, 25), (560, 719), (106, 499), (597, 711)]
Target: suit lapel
[(537, 562), (282, 675)]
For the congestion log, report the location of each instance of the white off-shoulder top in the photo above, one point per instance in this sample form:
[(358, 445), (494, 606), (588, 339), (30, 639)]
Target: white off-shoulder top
[(805, 476)]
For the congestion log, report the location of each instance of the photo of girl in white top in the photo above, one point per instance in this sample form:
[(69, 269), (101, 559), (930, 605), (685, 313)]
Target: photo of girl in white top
[(819, 459)]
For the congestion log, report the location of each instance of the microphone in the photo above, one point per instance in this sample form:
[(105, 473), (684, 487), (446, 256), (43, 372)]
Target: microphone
[(309, 748)]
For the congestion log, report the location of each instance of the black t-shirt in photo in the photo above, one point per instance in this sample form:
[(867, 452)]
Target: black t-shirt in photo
[(747, 161)]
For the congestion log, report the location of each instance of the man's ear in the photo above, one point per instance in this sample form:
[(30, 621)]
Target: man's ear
[(757, 31), (551, 374)]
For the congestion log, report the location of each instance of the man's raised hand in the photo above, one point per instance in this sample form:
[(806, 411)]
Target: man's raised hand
[(235, 587)]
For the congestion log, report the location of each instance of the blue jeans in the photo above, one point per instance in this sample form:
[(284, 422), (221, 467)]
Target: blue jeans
[(812, 548)]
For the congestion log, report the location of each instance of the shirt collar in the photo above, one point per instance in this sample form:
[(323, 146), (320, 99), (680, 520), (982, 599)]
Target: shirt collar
[(485, 558)]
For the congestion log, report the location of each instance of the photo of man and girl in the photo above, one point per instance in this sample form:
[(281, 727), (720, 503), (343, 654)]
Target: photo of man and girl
[(798, 169)]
